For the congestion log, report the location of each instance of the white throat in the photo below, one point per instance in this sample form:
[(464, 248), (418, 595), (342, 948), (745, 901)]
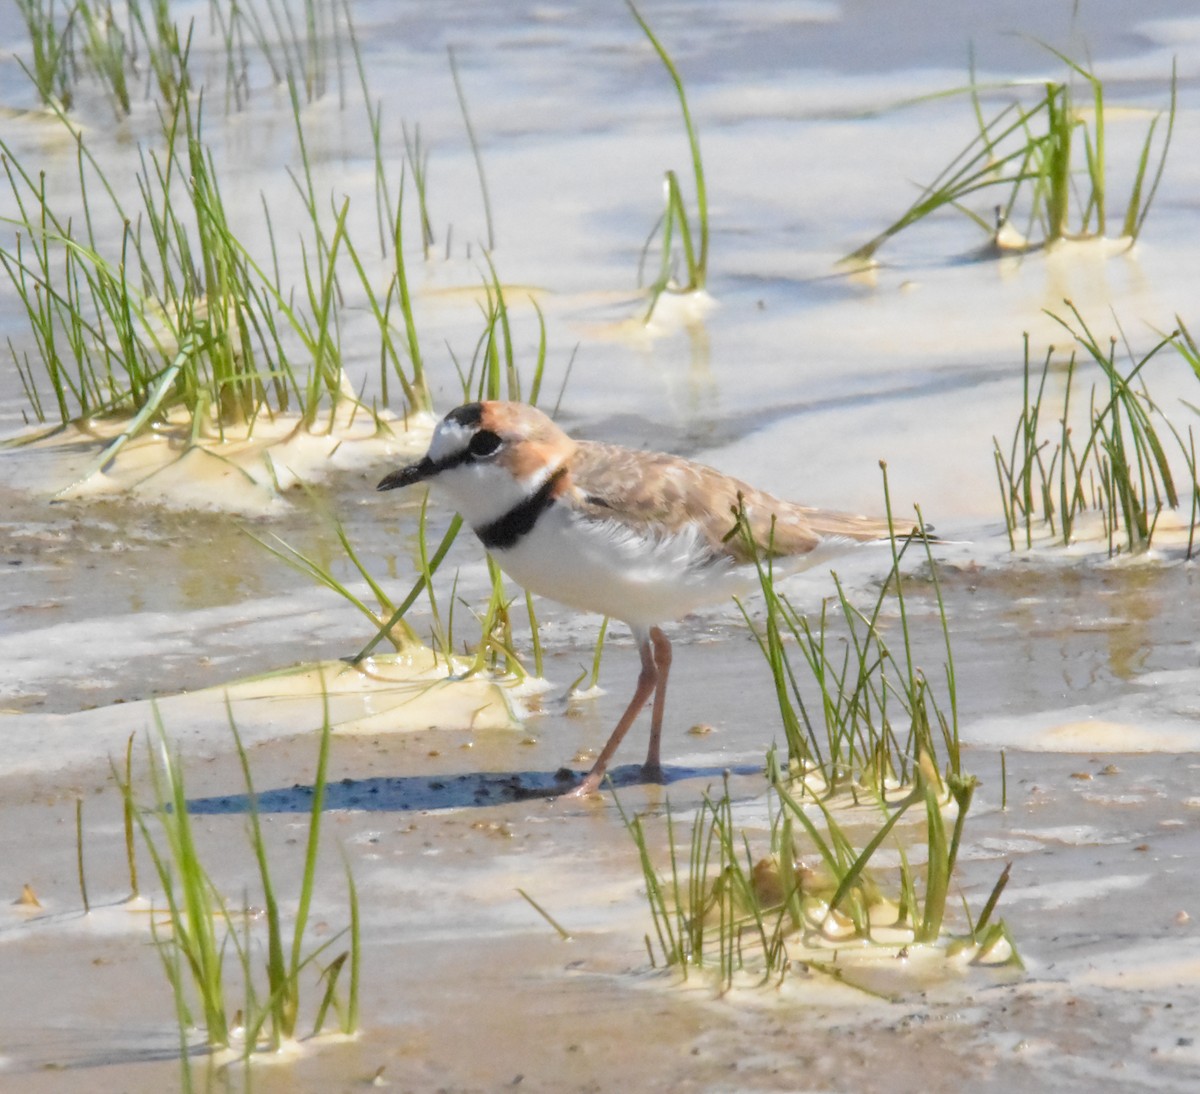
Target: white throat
[(483, 491)]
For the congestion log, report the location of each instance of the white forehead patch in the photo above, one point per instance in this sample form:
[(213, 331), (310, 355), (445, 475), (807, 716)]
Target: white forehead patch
[(449, 438)]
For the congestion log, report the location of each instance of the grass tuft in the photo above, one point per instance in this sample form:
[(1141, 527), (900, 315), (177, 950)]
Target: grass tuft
[(1028, 153), (97, 44), (1120, 470), (875, 710), (736, 899), (53, 68), (693, 241), (149, 305), (201, 932), (866, 812)]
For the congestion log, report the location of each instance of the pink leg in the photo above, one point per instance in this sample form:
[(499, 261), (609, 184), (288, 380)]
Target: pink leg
[(662, 662), (647, 684)]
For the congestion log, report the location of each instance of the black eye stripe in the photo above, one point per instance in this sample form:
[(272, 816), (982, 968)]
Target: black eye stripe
[(455, 460), (484, 443)]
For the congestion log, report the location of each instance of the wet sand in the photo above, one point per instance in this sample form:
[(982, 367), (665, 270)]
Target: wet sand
[(798, 378)]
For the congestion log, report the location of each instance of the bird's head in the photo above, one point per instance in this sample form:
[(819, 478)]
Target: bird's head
[(488, 457)]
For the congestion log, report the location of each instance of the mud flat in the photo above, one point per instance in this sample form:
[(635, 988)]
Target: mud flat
[(1078, 669)]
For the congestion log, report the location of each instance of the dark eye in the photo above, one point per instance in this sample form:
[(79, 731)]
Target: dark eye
[(484, 443)]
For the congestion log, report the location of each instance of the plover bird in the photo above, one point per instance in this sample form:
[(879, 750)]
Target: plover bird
[(642, 537)]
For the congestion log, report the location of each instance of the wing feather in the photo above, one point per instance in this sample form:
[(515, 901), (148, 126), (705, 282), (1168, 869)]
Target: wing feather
[(654, 493)]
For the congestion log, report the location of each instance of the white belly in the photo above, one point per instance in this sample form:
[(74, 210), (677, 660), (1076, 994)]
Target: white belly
[(605, 568)]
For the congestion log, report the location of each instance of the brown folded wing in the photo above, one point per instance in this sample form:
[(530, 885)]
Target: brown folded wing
[(648, 490)]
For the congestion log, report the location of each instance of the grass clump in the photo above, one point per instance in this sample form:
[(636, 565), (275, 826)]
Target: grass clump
[(53, 60), (866, 812), (740, 899), (175, 318), (1028, 153), (1120, 469), (693, 241), (147, 307), (165, 320), (96, 44), (494, 372), (876, 713), (205, 943), (145, 304), (107, 52)]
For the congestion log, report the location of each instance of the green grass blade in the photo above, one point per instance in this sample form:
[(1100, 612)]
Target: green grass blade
[(699, 267), (434, 562)]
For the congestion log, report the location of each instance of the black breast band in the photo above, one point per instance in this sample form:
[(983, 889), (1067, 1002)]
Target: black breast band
[(506, 531)]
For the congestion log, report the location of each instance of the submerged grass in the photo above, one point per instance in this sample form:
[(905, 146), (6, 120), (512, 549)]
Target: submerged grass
[(693, 241), (53, 70), (94, 44), (1028, 153), (820, 878), (874, 749), (203, 937), (1119, 469), (495, 372), (149, 304), (876, 712), (179, 317)]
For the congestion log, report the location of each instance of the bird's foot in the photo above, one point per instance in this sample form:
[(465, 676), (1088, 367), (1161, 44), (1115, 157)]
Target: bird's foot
[(653, 773), (586, 789)]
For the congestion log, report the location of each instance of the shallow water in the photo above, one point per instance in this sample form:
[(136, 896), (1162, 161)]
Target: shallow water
[(799, 379)]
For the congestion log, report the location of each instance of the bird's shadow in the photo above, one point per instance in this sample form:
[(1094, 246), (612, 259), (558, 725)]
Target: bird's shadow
[(409, 793)]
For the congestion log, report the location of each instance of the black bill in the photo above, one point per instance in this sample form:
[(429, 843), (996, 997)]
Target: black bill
[(409, 476)]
